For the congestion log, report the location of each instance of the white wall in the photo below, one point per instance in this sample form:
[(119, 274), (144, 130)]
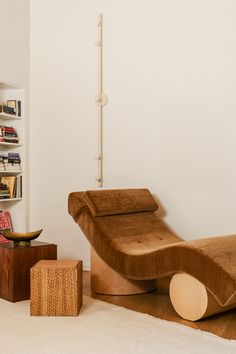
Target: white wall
[(14, 42), (169, 72), (14, 73)]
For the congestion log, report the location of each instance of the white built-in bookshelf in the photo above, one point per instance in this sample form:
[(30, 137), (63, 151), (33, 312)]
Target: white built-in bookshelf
[(6, 116), (17, 204), (10, 200), (10, 145)]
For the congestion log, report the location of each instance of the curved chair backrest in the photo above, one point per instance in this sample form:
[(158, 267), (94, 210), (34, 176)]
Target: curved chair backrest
[(122, 227)]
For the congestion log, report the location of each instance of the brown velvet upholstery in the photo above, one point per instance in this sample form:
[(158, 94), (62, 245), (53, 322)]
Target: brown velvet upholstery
[(118, 201), (138, 245)]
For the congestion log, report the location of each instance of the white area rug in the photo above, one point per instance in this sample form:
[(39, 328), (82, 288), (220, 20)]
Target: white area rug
[(101, 328)]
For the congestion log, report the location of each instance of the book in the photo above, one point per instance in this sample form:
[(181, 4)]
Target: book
[(10, 140), (8, 134), (16, 105), (8, 110), (9, 181), (18, 108), (4, 191), (12, 104), (3, 163), (13, 157)]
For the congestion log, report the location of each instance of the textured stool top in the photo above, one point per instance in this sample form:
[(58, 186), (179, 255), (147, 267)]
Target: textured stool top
[(63, 263)]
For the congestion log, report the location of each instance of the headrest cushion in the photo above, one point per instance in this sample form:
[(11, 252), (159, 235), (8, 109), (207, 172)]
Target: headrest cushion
[(119, 201)]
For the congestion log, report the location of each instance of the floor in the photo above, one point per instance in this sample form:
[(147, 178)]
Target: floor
[(158, 304)]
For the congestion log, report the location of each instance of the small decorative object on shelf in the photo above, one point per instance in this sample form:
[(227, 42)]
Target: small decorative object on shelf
[(21, 239), (16, 105), (10, 187), (5, 224)]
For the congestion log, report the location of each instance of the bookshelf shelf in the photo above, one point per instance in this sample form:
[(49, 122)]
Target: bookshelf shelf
[(10, 200), (10, 172), (3, 143), (5, 116)]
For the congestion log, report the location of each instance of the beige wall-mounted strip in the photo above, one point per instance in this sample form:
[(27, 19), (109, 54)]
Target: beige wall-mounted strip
[(101, 100)]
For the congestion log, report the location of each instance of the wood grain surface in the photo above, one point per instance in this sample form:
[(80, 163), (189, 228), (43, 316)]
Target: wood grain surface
[(157, 303), (15, 264)]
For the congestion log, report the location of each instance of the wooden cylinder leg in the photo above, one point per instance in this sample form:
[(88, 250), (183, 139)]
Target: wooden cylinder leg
[(191, 299), (105, 280)]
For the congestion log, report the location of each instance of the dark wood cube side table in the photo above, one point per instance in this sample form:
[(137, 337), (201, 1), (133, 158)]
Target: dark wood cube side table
[(15, 264)]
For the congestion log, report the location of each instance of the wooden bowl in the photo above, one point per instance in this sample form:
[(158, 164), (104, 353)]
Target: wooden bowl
[(23, 238)]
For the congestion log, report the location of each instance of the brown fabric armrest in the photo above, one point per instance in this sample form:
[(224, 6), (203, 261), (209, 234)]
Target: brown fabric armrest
[(76, 205)]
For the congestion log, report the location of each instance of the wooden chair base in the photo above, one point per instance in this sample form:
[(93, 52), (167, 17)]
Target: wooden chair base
[(105, 280), (191, 299)]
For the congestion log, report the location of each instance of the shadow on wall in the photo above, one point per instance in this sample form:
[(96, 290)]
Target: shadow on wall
[(162, 213)]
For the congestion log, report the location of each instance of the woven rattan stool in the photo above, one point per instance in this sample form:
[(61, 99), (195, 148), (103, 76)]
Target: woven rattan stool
[(56, 288)]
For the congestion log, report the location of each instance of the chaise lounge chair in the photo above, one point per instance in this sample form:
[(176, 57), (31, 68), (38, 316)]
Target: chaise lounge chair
[(132, 248)]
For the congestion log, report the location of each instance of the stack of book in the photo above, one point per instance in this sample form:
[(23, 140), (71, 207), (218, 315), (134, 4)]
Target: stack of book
[(7, 110), (16, 106), (3, 162), (8, 134), (4, 191), (12, 107), (10, 162), (10, 187)]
